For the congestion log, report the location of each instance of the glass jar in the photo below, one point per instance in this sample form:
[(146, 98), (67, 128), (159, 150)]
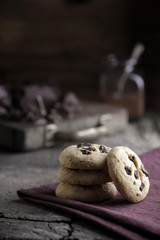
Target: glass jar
[(122, 88)]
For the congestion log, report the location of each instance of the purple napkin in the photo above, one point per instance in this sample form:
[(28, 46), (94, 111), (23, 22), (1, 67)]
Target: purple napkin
[(131, 221)]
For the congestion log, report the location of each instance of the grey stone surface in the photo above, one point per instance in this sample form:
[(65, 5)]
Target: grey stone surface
[(24, 220)]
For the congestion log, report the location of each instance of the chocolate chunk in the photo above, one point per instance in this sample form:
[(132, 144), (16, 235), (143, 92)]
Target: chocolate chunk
[(128, 171), (79, 145), (136, 175), (103, 149), (132, 158), (142, 186), (144, 171), (89, 149), (84, 145), (85, 152), (28, 103)]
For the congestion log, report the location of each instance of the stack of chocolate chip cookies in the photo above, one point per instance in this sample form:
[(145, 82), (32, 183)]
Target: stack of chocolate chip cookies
[(94, 173), (84, 175)]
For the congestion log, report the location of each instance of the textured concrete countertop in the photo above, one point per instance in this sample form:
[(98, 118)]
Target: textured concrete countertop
[(23, 220)]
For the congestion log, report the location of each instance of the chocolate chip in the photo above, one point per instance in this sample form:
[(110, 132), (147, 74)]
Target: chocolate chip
[(89, 149), (128, 171), (79, 145), (103, 149), (137, 194), (144, 171), (132, 158), (83, 145), (136, 175), (142, 186), (85, 152)]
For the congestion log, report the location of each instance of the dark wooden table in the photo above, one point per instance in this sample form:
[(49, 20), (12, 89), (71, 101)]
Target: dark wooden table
[(23, 220)]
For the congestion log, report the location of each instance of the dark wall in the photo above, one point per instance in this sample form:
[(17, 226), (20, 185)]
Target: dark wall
[(65, 42), (144, 19)]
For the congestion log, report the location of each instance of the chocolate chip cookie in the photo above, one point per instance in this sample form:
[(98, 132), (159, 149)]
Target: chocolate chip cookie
[(83, 177), (86, 193), (128, 173), (84, 156)]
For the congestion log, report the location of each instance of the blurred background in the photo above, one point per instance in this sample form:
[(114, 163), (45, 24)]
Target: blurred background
[(64, 42)]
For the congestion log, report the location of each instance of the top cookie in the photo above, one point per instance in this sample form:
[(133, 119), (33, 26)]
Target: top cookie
[(84, 156), (128, 173)]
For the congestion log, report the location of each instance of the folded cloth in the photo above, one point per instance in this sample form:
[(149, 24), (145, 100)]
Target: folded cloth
[(130, 221)]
